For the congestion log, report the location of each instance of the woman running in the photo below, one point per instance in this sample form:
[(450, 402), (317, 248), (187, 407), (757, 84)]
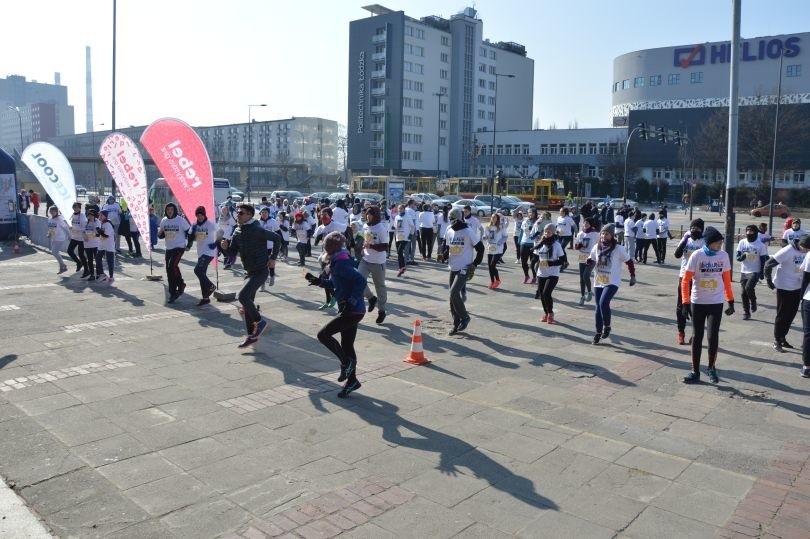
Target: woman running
[(403, 230), (708, 272), (58, 232), (516, 238), (442, 222), (584, 243), (527, 246), (550, 256), (495, 239), (607, 258)]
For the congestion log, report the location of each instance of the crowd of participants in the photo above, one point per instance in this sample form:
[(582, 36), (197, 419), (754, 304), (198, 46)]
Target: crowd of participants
[(359, 238)]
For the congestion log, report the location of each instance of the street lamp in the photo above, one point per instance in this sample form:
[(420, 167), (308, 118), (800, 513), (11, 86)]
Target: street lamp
[(775, 128), (438, 136), (250, 145), (19, 117), (494, 131), (93, 151), (640, 127)]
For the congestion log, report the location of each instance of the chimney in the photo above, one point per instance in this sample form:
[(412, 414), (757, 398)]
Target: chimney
[(57, 78), (89, 89)]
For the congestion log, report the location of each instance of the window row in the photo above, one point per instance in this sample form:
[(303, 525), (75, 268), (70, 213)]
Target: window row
[(504, 149), (411, 138), (411, 67), (482, 52), (414, 50), (582, 148), (486, 115), (415, 121), (415, 85), (412, 103), (483, 68), (483, 83), (486, 99), (673, 79), (411, 31), (408, 155)]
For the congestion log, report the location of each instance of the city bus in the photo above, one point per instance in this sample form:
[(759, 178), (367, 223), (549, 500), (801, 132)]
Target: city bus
[(546, 194), (379, 184), (549, 194)]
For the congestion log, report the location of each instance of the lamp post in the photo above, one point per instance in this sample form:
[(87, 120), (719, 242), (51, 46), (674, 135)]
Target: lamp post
[(775, 129), (494, 131), (626, 148), (93, 153), (438, 136), (250, 146), (19, 117)]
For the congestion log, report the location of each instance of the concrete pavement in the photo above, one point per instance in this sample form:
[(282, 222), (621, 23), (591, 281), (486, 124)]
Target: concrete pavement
[(122, 416)]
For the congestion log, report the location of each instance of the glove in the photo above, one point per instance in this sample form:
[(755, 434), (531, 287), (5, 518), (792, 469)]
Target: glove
[(686, 310), (632, 280), (470, 272), (313, 281), (730, 309), (740, 256), (212, 245), (771, 285)]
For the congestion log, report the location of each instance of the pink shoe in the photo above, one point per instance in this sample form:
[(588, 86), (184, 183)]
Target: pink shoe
[(534, 280), (400, 272), (550, 318), (525, 280), (545, 318), (491, 285), (496, 284)]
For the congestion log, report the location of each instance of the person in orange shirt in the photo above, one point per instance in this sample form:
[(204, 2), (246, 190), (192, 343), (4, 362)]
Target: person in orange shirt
[(708, 272)]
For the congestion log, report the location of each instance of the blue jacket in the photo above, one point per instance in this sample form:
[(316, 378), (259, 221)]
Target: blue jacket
[(346, 282)]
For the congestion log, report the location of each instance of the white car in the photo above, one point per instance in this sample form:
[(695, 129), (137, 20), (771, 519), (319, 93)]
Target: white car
[(476, 206)]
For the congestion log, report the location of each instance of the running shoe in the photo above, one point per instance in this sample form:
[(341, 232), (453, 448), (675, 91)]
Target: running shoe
[(347, 370), (588, 296), (712, 372), (746, 316), (464, 323), (203, 301), (753, 305), (582, 300), (324, 306), (550, 318), (805, 372), (534, 280), (681, 337), (79, 267), (62, 269), (258, 328), (786, 344), (111, 280), (85, 275), (332, 302), (778, 347), (596, 338), (497, 283), (173, 297), (606, 332), (400, 272), (380, 317), (249, 341), (351, 385), (691, 378), (372, 302), (271, 281), (545, 317), (102, 278), (181, 289), (525, 280), (91, 278)]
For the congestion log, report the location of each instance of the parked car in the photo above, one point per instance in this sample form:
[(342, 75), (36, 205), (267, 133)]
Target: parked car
[(236, 194), (445, 201), (421, 198), (81, 190), (476, 206), (779, 210), (374, 198), (505, 203), (319, 196), (289, 195)]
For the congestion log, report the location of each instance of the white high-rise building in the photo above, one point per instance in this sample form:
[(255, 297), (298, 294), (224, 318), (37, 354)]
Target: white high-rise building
[(423, 93)]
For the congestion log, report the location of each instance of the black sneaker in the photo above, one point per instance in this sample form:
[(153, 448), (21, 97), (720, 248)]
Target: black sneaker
[(181, 289), (173, 297), (606, 332), (596, 338), (79, 267), (746, 316), (805, 372), (464, 323), (347, 370), (786, 344), (372, 302), (753, 306), (380, 317), (453, 331), (204, 301), (691, 378), (778, 347), (85, 275), (351, 385), (712, 372)]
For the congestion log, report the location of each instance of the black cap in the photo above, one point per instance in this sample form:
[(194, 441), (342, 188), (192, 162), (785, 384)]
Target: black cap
[(711, 235), (697, 222), (804, 241)]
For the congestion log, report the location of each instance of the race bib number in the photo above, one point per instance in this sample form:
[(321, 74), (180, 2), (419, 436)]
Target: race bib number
[(369, 237), (603, 278), (583, 258), (51, 232), (709, 284), (400, 236), (751, 256), (170, 235), (543, 263), (301, 235), (200, 236), (456, 250), (492, 248)]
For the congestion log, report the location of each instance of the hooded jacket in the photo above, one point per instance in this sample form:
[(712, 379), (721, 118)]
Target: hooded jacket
[(250, 241), (348, 283)]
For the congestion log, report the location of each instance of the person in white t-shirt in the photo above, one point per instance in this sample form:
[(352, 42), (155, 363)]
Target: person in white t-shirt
[(805, 242), (106, 248), (586, 238), (794, 232), (427, 220), (708, 273), (606, 261), (495, 240), (565, 227), (464, 252), (783, 272), (58, 232), (403, 230), (550, 256), (375, 251), (204, 232), (752, 255), (173, 229)]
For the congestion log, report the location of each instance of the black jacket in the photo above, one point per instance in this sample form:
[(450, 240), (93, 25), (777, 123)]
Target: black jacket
[(250, 241)]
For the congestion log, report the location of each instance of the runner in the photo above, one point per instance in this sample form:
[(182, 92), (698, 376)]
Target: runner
[(794, 232), (173, 229), (327, 226), (805, 242), (586, 239), (442, 222), (662, 235), (226, 224), (347, 285), (788, 284), (692, 241), (565, 227), (708, 271), (375, 247), (630, 230), (516, 235), (752, 255), (464, 252), (58, 232), (204, 232), (403, 229), (269, 223), (496, 239), (607, 257), (250, 241), (527, 246), (106, 248), (550, 256), (301, 228), (78, 223), (91, 244), (427, 220)]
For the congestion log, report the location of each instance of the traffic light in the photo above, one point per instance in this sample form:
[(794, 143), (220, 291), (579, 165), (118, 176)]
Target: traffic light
[(680, 140), (643, 133), (662, 135), (501, 180)]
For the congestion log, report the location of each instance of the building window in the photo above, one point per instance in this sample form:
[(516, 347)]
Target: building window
[(482, 98), (626, 84), (445, 57), (491, 116), (673, 79), (482, 68), (544, 149), (482, 83), (638, 82), (592, 172), (406, 138), (417, 86), (418, 68), (696, 77), (583, 149), (407, 67), (591, 149), (492, 70), (418, 104), (508, 149), (443, 74), (492, 85), (794, 70), (406, 155), (499, 149), (798, 177), (563, 149), (417, 121), (407, 102), (491, 100), (443, 107), (407, 120), (443, 90), (482, 52), (602, 148), (552, 149), (655, 80), (442, 141), (492, 55), (442, 124), (417, 139), (525, 149), (482, 114), (446, 41), (417, 156)]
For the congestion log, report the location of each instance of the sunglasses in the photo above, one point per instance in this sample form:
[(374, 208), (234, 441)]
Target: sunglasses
[(241, 213)]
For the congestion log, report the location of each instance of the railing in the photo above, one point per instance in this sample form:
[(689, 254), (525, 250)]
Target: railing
[(379, 38), (378, 74)]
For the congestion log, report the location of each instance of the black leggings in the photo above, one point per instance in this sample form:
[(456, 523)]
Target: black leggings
[(748, 282), (426, 241), (678, 311), (173, 257), (492, 263), (545, 287), (705, 317), (110, 257), (401, 245), (90, 253), (661, 252), (526, 255), (584, 278), (79, 260), (346, 325), (787, 305)]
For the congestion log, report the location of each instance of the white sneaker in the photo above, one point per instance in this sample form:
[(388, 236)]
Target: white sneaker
[(111, 280), (271, 281), (102, 278)]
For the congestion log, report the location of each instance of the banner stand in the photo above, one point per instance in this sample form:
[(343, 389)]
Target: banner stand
[(152, 276)]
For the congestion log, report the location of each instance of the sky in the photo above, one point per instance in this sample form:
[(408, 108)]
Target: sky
[(205, 61)]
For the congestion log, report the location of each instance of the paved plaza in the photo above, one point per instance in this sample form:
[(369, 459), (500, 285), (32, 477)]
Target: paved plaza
[(123, 416)]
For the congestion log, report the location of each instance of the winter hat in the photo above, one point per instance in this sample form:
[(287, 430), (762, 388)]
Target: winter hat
[(610, 228), (752, 228), (804, 241), (698, 223), (711, 235), (549, 226), (105, 213)]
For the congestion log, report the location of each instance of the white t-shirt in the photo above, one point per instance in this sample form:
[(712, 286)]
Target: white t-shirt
[(789, 235), (58, 229), (629, 225), (301, 231), (752, 262), (691, 246), (586, 241), (374, 235), (108, 243), (475, 225), (90, 234), (272, 225), (609, 270), (708, 287), (806, 267), (403, 228), (426, 219), (565, 225), (548, 253), (788, 274), (495, 238), (619, 221), (78, 221), (175, 230), (663, 227), (650, 226), (443, 224), (461, 244), (340, 216), (204, 234)]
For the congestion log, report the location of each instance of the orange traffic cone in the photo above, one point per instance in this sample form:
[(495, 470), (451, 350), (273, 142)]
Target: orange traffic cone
[(417, 355)]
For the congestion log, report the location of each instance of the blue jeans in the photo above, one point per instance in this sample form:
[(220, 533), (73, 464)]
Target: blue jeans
[(806, 325), (200, 271), (603, 296)]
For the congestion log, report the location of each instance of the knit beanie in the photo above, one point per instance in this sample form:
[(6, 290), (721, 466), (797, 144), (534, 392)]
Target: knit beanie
[(697, 223), (610, 228), (711, 235)]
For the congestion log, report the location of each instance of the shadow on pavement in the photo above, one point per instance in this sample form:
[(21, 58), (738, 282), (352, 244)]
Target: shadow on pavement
[(8, 358)]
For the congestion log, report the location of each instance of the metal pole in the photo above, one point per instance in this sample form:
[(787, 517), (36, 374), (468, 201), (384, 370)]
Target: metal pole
[(438, 136), (115, 7), (626, 150), (775, 131), (250, 147), (733, 122), (494, 131)]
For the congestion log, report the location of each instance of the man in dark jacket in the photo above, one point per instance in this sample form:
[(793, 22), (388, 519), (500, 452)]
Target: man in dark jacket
[(250, 241)]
